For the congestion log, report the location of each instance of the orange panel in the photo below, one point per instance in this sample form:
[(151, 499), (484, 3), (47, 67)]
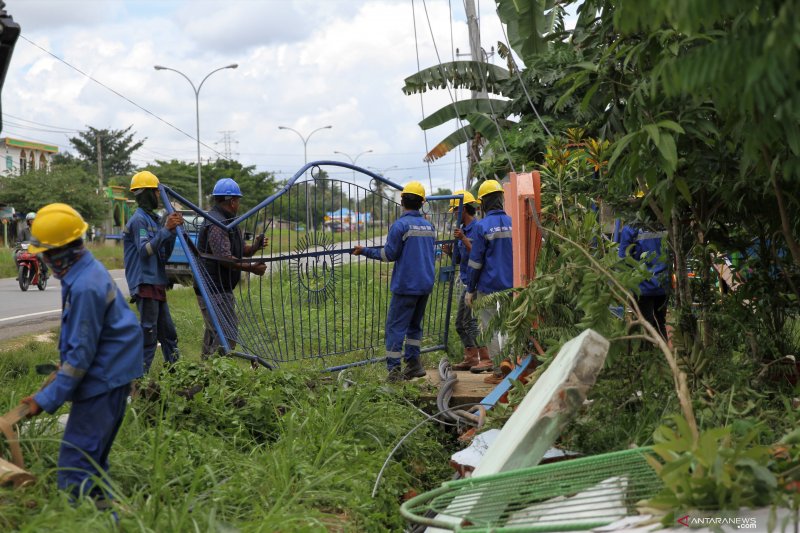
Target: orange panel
[(523, 195)]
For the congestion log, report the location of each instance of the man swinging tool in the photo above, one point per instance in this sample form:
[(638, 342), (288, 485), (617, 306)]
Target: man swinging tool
[(101, 353), (410, 244), (147, 246)]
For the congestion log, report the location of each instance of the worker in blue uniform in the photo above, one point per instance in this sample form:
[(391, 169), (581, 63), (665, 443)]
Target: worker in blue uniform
[(644, 245), (101, 353), (410, 245), (490, 262), (466, 322), (147, 245)]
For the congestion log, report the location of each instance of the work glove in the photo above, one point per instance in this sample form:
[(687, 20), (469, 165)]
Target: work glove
[(469, 298), (35, 408)]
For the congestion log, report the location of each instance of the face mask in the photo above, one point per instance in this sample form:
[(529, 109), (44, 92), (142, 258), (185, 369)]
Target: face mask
[(147, 199), (60, 262)]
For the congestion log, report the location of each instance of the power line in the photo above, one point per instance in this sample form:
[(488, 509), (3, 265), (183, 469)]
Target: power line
[(173, 126), (40, 123)]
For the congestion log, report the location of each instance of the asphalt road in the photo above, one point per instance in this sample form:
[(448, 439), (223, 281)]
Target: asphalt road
[(35, 311)]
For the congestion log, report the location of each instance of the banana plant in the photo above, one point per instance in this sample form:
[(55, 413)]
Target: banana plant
[(529, 26)]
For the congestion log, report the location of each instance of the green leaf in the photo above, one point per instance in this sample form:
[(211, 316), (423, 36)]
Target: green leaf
[(669, 152), (620, 145), (670, 125), (683, 188), (653, 133)]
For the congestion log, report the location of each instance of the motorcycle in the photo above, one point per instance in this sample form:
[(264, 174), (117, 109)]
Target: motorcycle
[(29, 269)]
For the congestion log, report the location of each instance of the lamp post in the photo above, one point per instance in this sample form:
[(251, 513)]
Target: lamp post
[(305, 162), (196, 90), (352, 159), (304, 139)]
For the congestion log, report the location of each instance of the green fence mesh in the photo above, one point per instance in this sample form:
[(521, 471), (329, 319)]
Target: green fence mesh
[(566, 496)]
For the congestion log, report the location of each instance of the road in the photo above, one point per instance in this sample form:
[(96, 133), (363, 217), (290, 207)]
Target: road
[(35, 311)]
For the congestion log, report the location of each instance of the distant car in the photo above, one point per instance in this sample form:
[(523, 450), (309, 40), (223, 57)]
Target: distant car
[(177, 266)]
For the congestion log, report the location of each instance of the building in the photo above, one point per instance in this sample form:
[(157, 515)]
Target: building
[(20, 156)]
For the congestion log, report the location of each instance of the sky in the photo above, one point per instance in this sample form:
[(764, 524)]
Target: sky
[(302, 64)]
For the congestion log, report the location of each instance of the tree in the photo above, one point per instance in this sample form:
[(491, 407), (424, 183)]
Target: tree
[(182, 178), (116, 147), (65, 183)]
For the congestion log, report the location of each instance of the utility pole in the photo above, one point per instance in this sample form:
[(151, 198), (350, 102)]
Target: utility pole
[(99, 165), (476, 55)]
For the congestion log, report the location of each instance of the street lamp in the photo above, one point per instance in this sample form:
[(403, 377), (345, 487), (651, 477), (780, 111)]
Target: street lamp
[(197, 116), (304, 139), (305, 162), (352, 159)]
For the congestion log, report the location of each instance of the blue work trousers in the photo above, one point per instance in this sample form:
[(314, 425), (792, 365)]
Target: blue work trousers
[(157, 326), (91, 429), (404, 325)]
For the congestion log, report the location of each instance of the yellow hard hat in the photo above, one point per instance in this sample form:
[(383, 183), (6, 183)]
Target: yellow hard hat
[(468, 199), (414, 187), (488, 187), (144, 180), (56, 225)]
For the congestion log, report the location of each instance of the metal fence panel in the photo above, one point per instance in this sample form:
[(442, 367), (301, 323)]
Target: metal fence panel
[(316, 300)]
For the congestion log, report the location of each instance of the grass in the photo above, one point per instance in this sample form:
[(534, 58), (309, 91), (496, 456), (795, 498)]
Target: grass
[(216, 446), (108, 253)]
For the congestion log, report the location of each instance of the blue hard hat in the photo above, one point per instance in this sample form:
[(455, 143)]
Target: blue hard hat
[(226, 187)]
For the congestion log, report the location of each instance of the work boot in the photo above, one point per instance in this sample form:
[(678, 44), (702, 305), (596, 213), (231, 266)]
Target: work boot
[(395, 375), (471, 359), (413, 369), (485, 364)]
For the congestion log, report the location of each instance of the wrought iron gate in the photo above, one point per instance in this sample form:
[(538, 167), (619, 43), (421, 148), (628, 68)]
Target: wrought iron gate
[(316, 300)]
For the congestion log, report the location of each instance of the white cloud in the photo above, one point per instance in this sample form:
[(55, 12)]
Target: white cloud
[(302, 64)]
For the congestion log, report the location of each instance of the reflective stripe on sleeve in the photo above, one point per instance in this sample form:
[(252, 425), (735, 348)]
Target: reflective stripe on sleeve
[(383, 255), (71, 371), (651, 235), (473, 265), (148, 248)]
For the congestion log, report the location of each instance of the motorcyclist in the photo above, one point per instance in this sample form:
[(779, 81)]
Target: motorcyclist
[(25, 237)]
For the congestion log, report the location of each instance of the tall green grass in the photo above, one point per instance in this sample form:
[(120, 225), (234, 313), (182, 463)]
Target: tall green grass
[(216, 446)]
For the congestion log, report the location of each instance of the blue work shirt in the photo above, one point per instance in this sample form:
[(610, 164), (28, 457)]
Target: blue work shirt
[(101, 340), (646, 245), (410, 244), (491, 260), (146, 247), (460, 254)]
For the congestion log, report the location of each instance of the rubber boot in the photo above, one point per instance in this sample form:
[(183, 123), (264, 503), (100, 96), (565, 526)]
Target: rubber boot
[(471, 359), (413, 369), (485, 364)]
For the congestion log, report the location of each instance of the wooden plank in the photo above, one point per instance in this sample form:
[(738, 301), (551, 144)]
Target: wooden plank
[(469, 388)]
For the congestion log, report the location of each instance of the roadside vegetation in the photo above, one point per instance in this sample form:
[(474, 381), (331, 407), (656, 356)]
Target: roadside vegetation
[(215, 445), (109, 253)]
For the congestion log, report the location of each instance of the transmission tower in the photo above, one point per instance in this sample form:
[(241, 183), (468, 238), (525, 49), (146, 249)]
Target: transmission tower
[(226, 142)]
